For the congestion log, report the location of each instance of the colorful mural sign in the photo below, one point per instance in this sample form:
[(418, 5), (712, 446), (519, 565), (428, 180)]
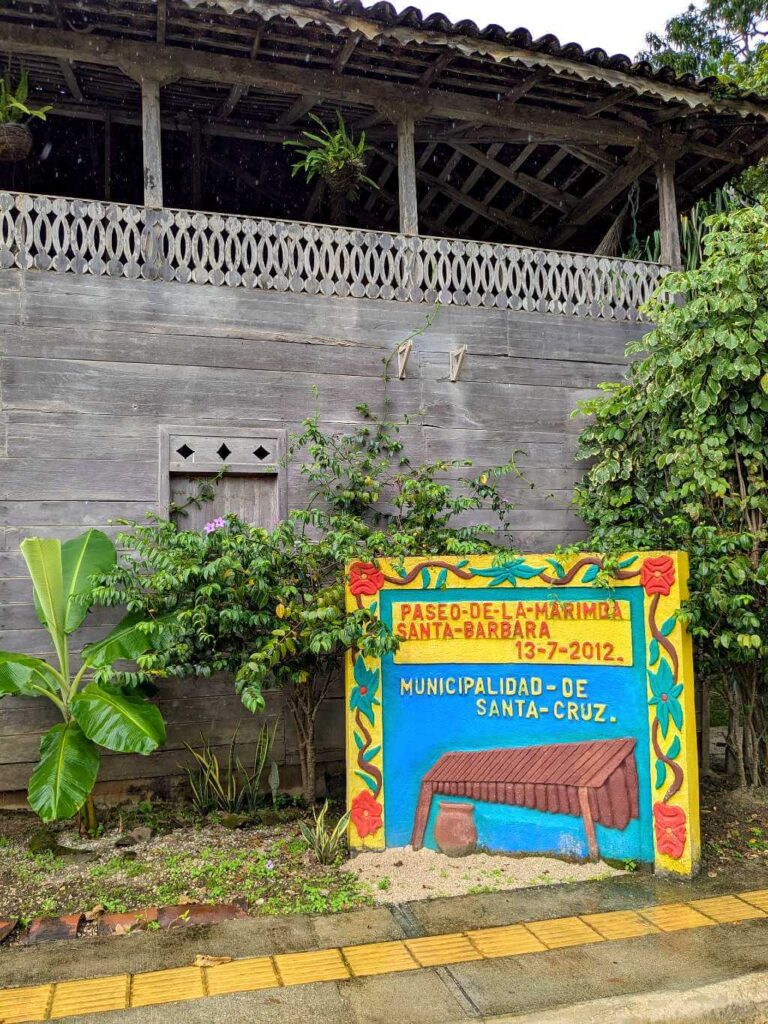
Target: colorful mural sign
[(535, 704)]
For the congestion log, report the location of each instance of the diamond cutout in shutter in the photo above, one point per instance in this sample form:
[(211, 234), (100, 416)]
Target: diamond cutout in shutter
[(261, 452), (185, 451), (223, 452)]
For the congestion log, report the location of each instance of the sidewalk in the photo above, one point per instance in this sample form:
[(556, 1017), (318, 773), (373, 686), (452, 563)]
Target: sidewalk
[(438, 964)]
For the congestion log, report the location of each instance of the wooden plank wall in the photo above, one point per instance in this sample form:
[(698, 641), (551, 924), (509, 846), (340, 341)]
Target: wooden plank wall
[(90, 367)]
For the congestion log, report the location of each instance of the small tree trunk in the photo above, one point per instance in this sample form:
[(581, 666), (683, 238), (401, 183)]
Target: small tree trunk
[(734, 737), (90, 815)]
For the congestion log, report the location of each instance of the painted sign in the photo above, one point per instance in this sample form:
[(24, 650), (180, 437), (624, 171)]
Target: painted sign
[(535, 704)]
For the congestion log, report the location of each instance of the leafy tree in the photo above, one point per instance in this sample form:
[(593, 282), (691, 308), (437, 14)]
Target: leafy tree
[(268, 606), (680, 452), (95, 714), (707, 40)]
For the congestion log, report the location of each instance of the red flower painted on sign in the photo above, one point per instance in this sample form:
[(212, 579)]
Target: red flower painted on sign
[(658, 575), (669, 823), (365, 578), (366, 814)]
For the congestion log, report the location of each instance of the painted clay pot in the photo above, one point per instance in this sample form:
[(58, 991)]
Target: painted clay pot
[(455, 829)]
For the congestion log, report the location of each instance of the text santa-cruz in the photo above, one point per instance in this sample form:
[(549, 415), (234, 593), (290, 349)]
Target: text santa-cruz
[(575, 708)]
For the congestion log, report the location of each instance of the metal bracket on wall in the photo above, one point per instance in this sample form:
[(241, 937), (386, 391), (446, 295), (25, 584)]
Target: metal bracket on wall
[(457, 358), (403, 354)]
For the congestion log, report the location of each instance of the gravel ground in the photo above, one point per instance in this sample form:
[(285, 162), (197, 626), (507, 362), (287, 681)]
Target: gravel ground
[(401, 874)]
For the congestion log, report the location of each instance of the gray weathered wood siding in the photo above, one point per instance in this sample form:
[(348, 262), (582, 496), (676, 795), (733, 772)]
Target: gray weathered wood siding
[(91, 367)]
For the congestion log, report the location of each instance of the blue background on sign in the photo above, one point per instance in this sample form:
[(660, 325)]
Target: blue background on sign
[(419, 729)]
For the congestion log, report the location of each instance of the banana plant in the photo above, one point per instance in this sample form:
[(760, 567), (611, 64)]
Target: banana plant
[(93, 715)]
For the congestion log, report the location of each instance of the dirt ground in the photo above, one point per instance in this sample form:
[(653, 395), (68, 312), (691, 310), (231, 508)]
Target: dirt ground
[(162, 854)]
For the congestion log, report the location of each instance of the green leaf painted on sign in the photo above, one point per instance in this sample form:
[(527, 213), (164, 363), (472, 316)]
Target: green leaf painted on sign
[(674, 748), (370, 754), (653, 651), (442, 579), (627, 562), (426, 579), (661, 774), (591, 574), (359, 741), (668, 626), (559, 570), (370, 783)]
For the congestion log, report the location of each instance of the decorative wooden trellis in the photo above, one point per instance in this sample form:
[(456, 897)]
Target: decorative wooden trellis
[(90, 237)]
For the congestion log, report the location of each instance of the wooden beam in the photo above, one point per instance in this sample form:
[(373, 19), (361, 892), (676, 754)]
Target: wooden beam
[(469, 182), (435, 69), (346, 51), (196, 166), (301, 106), (65, 66), (406, 177), (107, 184), (598, 106), (603, 162), (669, 228), (152, 142), (604, 193), (589, 824), (546, 193), (162, 19), (236, 92), (168, 62), (525, 85), (497, 186), (519, 227)]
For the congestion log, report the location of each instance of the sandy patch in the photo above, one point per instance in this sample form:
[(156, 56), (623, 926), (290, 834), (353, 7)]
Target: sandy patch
[(400, 874)]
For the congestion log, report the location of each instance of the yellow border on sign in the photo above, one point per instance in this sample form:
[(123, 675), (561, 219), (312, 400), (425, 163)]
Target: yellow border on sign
[(662, 575)]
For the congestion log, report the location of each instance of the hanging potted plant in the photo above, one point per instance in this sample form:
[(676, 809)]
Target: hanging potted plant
[(15, 136), (337, 158)]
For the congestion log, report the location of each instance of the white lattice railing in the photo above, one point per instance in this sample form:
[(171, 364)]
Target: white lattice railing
[(89, 237)]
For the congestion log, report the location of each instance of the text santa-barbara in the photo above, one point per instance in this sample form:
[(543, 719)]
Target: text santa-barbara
[(497, 620)]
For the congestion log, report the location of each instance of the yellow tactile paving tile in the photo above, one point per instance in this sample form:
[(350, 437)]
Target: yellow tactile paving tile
[(167, 986), (435, 950), (241, 976), (563, 931), (94, 995), (619, 924), (379, 958), (675, 917), (727, 909), (74, 998), (301, 968), (756, 897), (18, 1005), (507, 940)]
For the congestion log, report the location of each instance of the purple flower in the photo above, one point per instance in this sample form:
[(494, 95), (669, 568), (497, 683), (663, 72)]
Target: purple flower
[(270, 865), (209, 527), (219, 522)]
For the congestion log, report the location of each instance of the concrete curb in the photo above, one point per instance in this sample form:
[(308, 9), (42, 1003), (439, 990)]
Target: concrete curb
[(743, 999)]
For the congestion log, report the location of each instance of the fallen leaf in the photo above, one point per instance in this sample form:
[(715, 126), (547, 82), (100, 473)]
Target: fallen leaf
[(94, 912), (204, 960), (123, 929), (184, 900)]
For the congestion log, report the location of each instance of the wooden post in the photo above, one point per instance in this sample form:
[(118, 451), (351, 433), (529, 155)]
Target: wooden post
[(406, 170), (197, 166), (151, 137), (668, 222), (589, 825), (108, 155)]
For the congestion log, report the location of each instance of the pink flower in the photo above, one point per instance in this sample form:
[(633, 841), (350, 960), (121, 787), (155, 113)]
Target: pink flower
[(209, 527)]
